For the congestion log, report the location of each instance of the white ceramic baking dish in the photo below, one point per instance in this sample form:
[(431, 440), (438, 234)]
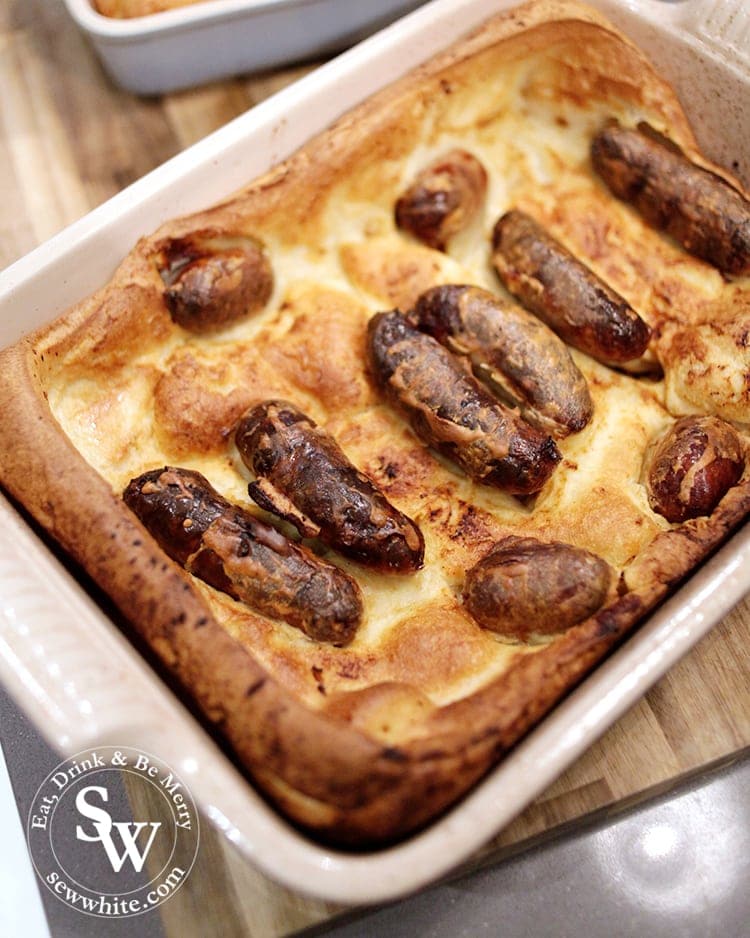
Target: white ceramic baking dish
[(190, 45), (79, 679)]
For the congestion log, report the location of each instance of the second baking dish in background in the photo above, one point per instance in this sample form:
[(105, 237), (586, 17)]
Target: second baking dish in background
[(191, 44)]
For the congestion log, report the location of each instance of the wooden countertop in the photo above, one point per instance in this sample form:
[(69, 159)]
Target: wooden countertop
[(68, 140)]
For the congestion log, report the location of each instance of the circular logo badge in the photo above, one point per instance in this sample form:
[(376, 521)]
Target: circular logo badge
[(113, 832)]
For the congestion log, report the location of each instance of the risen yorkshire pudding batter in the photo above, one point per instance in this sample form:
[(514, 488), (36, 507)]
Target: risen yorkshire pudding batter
[(365, 731)]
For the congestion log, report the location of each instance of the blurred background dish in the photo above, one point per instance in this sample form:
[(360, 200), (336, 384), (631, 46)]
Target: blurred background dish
[(188, 45)]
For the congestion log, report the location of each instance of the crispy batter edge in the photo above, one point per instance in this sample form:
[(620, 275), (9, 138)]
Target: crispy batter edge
[(326, 775)]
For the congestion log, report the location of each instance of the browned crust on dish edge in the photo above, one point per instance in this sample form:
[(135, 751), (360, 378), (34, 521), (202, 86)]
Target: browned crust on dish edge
[(326, 774)]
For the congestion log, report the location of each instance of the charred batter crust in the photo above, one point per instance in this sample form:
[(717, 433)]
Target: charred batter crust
[(709, 217), (562, 291), (306, 466)]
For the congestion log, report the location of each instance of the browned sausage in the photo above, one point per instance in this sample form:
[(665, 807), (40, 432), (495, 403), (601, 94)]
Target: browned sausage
[(243, 556), (564, 293), (212, 282), (451, 412), (692, 466), (520, 357), (699, 209), (527, 587), (305, 478), (443, 199)]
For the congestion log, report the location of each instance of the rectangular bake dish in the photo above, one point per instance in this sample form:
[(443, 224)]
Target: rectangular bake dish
[(84, 683), (190, 45)]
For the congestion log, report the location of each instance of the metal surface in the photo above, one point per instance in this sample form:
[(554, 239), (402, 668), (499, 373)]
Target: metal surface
[(678, 865)]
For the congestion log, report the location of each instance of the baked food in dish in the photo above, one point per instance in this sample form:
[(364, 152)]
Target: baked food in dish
[(367, 741), (125, 9)]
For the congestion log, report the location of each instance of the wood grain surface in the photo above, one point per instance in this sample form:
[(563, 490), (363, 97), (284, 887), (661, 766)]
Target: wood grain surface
[(68, 140)]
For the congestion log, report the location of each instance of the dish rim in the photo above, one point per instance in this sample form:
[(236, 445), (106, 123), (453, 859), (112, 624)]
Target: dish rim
[(167, 22), (668, 635)]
